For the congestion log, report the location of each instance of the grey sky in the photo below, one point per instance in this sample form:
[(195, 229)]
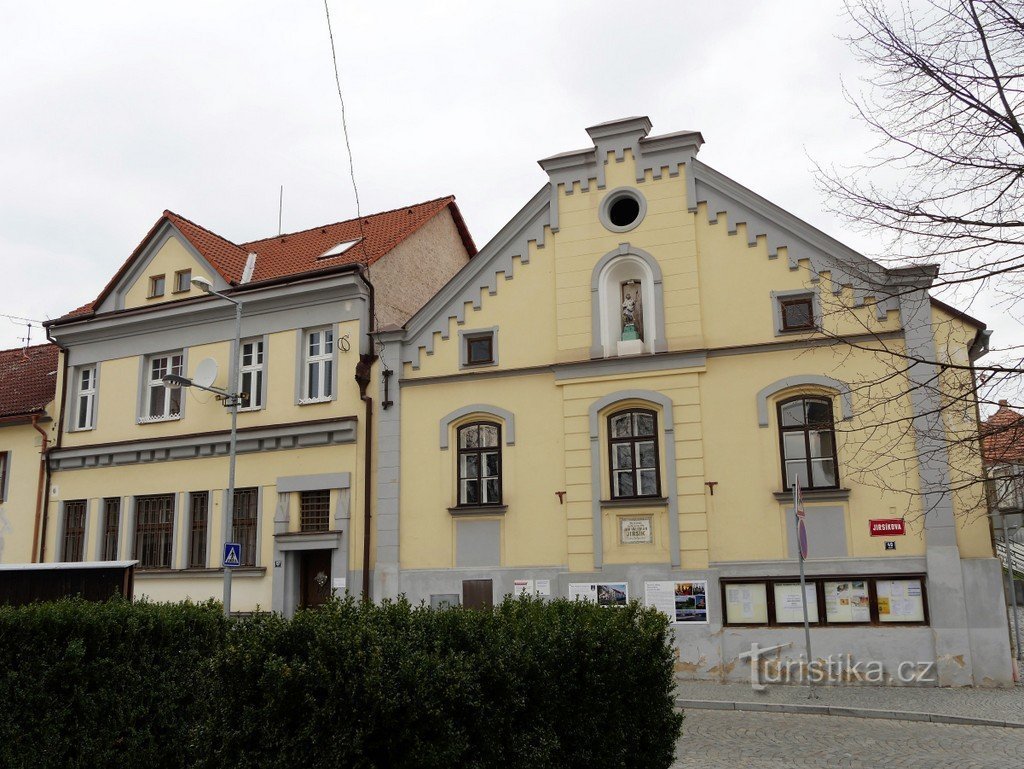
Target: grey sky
[(118, 110)]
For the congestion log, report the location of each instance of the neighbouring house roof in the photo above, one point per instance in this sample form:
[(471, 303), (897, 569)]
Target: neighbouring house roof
[(295, 253), (28, 379), (1002, 436)]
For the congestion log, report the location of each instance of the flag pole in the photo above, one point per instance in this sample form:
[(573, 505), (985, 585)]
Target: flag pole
[(798, 519)]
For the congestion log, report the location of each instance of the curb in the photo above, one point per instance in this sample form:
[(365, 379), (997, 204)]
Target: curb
[(836, 710)]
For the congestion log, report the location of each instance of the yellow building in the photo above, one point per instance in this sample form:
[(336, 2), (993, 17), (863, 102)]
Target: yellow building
[(614, 397), (140, 468), (28, 379)]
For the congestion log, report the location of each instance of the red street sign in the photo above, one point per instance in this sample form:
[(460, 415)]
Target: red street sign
[(801, 535), (887, 527)]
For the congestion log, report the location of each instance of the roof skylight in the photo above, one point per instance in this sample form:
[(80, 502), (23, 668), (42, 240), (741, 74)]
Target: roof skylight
[(339, 249)]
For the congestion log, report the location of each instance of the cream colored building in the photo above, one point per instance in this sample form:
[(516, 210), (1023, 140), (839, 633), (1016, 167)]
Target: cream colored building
[(139, 469), (613, 398)]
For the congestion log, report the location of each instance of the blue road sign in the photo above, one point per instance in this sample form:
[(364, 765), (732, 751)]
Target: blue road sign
[(232, 554)]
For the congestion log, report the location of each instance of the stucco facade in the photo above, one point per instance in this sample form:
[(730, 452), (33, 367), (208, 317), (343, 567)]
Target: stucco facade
[(711, 267)]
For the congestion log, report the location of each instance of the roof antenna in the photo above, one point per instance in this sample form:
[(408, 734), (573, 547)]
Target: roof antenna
[(280, 209), (27, 339)]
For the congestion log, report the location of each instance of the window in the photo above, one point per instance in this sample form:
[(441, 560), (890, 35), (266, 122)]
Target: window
[(797, 313), (250, 374), (1007, 486), (622, 209), (808, 443), (111, 526), (244, 518), (5, 460), (182, 281), (839, 600), (480, 464), (633, 454), (319, 366), (154, 530), (85, 398), (74, 530), (199, 510), (156, 285), (479, 349), (162, 402), (315, 510)]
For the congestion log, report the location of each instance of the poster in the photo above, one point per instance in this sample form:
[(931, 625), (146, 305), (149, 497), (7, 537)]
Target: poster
[(542, 586), (522, 587), (900, 600), (601, 593), (789, 607), (847, 601), (682, 602), (746, 603), (338, 584)]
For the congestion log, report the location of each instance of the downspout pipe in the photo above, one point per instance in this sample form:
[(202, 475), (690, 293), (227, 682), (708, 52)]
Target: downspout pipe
[(363, 378), (60, 436), (41, 484)]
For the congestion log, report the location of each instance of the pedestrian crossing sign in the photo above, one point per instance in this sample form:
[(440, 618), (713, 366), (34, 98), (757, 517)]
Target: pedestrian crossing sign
[(232, 554)]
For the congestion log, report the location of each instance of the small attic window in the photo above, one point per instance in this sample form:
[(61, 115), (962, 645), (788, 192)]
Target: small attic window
[(622, 209), (339, 249)]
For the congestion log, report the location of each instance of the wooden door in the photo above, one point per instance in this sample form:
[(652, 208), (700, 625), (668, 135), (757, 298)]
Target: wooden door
[(314, 578), (477, 593)]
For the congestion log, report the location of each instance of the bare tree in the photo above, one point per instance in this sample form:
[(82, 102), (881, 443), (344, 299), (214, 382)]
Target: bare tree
[(945, 184)]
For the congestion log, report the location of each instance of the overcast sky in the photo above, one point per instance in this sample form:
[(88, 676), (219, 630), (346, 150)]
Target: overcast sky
[(114, 111)]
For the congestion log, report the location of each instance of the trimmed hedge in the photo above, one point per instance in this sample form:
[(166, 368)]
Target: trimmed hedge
[(531, 684)]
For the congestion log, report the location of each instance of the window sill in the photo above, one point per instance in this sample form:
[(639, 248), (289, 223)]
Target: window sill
[(250, 408), (478, 510), (635, 502), (161, 573), (155, 420), (813, 495), (792, 331), (311, 401), (81, 429)]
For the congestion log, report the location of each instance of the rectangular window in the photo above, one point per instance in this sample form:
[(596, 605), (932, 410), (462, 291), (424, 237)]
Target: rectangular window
[(479, 349), (74, 530), (156, 285), (111, 527), (5, 461), (244, 518), (182, 281), (163, 402), (319, 366), (199, 511), (250, 374), (797, 313), (479, 471), (154, 530), (85, 398), (315, 510), (633, 454)]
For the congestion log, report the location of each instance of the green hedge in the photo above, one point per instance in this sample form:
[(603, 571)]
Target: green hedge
[(531, 684)]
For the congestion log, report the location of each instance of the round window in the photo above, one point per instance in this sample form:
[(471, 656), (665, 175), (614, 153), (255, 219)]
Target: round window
[(622, 209)]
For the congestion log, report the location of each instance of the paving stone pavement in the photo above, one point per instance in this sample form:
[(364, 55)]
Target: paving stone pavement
[(996, 704), (720, 739)]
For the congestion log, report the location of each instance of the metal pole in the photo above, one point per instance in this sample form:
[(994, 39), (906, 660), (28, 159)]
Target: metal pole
[(233, 388), (803, 585), (1007, 537)]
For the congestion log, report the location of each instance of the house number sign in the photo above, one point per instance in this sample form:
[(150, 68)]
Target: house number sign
[(634, 531)]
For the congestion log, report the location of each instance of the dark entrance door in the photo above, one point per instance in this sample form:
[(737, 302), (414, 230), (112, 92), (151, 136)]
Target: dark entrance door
[(314, 578), (477, 593)]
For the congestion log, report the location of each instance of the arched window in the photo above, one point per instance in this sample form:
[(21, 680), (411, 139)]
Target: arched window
[(633, 454), (479, 464), (808, 443)]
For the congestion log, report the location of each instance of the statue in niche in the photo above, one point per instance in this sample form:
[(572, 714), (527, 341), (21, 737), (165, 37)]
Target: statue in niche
[(632, 311)]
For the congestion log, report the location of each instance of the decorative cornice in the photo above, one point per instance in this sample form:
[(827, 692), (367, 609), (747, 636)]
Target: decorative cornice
[(201, 445)]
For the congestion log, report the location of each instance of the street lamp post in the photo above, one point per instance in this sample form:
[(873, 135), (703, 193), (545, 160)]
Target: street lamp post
[(231, 398)]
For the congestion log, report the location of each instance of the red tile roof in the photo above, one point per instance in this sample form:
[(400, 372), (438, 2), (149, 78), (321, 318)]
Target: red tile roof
[(1002, 436), (297, 252), (28, 379)]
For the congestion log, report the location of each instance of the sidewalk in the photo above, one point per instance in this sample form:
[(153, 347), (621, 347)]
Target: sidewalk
[(986, 707)]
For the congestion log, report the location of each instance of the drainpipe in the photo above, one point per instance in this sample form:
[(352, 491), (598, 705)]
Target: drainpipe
[(363, 379), (41, 484), (60, 435)]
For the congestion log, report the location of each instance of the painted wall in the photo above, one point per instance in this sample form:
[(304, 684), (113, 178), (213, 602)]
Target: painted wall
[(171, 257), (23, 444)]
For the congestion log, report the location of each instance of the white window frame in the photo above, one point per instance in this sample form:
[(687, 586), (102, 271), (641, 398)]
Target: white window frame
[(255, 370), (85, 398), (318, 367), (151, 383)]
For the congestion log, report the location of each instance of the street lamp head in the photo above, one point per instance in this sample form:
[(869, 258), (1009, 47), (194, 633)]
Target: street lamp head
[(202, 284), (175, 380)]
